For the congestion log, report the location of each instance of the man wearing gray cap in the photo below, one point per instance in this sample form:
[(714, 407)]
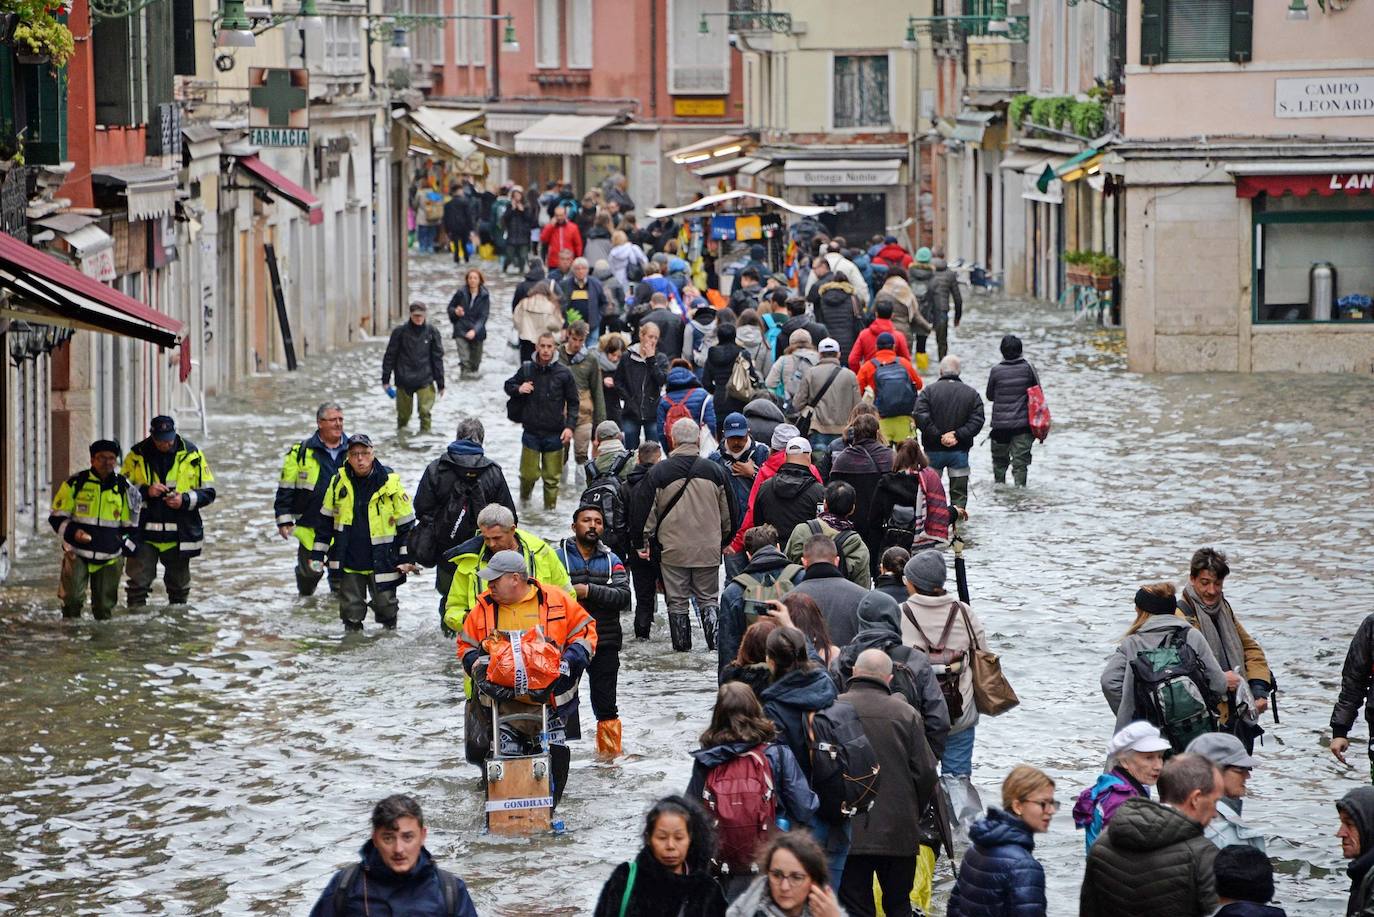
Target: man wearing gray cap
[(931, 619), (516, 602), (1228, 753)]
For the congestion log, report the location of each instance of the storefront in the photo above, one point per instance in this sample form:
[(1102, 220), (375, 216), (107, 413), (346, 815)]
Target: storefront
[(867, 195)]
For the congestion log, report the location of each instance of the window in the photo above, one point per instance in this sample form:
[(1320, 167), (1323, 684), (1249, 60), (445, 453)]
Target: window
[(1292, 234), (1186, 31), (580, 34), (479, 34), (861, 91), (117, 58), (698, 64), (547, 34)]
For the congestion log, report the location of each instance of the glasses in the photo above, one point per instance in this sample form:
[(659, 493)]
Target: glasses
[(787, 878), (1049, 805), (1239, 770)]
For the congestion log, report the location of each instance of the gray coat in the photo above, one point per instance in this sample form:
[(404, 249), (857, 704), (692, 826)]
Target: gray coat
[(838, 598), (944, 289), (1118, 683)]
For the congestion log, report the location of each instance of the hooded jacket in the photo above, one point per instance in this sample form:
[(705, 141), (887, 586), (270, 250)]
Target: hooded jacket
[(750, 339), (476, 310), (949, 405), (789, 498), (881, 629), (534, 276), (893, 255), (698, 337), (999, 876), (763, 417), (789, 699), (861, 465), (897, 736), (831, 413), (1358, 805), (597, 245), (766, 471), (715, 373), (1152, 861), (683, 387), (866, 344), (640, 382), (868, 374), (1096, 805), (765, 566), (922, 281), (185, 470), (416, 355), (795, 799), (463, 458), (670, 327), (374, 887), (944, 289), (1118, 682), (1007, 384), (835, 308)]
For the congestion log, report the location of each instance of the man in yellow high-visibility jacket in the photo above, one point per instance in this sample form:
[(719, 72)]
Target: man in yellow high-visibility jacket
[(93, 513)]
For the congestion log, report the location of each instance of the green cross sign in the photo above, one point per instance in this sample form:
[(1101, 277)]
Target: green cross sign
[(279, 96)]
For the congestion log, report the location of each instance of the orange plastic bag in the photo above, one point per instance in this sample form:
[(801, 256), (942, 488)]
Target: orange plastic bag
[(529, 663)]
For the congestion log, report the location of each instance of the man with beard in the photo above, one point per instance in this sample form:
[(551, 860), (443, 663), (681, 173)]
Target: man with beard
[(602, 587)]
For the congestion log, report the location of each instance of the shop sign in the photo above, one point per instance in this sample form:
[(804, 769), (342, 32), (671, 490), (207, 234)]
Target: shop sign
[(812, 175), (100, 265), (1353, 182), (1324, 97), (279, 106), (699, 108)]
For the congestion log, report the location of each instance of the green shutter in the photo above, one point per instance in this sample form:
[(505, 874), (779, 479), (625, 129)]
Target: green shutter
[(1152, 32), (1242, 30), (46, 91)]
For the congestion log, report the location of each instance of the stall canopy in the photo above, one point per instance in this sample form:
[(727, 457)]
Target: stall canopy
[(1322, 177), (281, 186), (150, 192), (48, 291), (714, 199), (745, 165), (715, 148), (437, 129), (560, 135)]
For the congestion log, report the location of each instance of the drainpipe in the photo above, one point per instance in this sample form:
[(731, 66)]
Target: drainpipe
[(653, 60), (494, 84)]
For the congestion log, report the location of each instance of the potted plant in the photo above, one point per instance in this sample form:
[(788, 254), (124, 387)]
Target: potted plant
[(1103, 268), (43, 39), (1076, 266)]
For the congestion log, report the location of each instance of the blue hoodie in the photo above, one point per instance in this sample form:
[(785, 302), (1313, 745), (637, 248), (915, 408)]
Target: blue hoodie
[(699, 404), (789, 699), (1000, 876)]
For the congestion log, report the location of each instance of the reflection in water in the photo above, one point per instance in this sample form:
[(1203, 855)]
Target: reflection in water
[(225, 757)]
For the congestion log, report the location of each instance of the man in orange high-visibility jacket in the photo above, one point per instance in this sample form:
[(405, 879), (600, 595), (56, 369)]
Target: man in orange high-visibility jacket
[(513, 601)]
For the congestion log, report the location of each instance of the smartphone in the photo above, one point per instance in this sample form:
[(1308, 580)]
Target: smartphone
[(820, 508), (756, 608)]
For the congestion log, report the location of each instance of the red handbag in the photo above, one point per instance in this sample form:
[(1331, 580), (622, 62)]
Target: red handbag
[(1038, 412)]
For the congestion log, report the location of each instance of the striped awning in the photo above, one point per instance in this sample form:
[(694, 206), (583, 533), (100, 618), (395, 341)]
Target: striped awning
[(560, 135)]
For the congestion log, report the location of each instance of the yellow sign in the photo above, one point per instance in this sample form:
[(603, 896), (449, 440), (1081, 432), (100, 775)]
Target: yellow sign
[(699, 108)]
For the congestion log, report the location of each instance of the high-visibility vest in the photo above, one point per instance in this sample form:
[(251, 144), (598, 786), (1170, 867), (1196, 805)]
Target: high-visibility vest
[(189, 474), (301, 489), (101, 509)]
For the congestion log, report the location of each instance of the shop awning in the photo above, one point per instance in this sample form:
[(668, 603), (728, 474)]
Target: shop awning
[(150, 192), (1039, 183), (711, 200), (972, 123), (1325, 178), (841, 172), (282, 186), (48, 291), (560, 135), (745, 165), (716, 147), (436, 128), (1088, 162), (1017, 161)]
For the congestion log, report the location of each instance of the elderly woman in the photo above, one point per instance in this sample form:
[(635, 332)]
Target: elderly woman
[(1135, 756)]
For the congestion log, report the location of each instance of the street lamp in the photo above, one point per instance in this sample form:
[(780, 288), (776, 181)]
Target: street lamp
[(235, 28), (1297, 11), (311, 25), (909, 43), (509, 42), (398, 55)]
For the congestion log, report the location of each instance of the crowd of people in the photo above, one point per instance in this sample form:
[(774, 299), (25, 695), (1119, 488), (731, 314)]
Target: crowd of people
[(776, 465)]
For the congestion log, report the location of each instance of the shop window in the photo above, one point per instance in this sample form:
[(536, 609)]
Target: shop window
[(1184, 31), (861, 91), (1314, 258)]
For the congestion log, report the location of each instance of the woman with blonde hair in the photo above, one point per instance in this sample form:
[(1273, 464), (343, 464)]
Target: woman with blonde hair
[(624, 253), (1157, 626), (1000, 876)]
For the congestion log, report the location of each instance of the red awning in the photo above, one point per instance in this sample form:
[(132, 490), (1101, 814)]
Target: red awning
[(44, 289), (280, 184), (1326, 184)]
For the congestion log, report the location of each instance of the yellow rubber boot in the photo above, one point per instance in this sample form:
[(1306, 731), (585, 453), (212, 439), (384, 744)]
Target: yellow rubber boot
[(922, 361), (608, 738)]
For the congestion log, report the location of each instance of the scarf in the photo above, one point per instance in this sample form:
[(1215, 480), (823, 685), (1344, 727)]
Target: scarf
[(1218, 624), (836, 523), (757, 902)]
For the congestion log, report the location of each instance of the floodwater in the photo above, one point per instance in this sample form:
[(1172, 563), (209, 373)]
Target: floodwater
[(223, 758)]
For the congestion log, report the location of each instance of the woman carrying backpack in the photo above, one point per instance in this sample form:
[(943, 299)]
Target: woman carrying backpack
[(1157, 625), (747, 782), (672, 873), (716, 372), (1135, 757), (909, 509)]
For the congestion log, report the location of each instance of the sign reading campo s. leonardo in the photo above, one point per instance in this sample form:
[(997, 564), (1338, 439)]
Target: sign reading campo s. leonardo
[(1324, 97)]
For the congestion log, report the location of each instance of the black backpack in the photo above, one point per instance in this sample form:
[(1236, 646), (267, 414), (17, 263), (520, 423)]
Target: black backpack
[(447, 881), (606, 491), (903, 678), (841, 539), (844, 767), (453, 523), (515, 404)]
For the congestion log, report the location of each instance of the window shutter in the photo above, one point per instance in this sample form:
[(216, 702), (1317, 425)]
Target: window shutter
[(1242, 30), (580, 34), (47, 127), (698, 64), (1152, 32), (547, 35), (479, 34)]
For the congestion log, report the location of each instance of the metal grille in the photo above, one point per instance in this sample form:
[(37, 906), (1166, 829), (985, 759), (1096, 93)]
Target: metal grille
[(167, 130), (14, 198)]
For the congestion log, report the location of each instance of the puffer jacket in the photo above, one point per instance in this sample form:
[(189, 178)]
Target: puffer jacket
[(949, 405), (1000, 876), (682, 384), (374, 888), (944, 289), (640, 382), (1152, 861), (608, 588), (1007, 384), (789, 498), (788, 700), (764, 417), (835, 309), (795, 799)]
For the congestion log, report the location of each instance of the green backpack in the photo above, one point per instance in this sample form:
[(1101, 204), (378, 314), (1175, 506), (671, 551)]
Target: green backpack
[(1171, 690), (755, 590)]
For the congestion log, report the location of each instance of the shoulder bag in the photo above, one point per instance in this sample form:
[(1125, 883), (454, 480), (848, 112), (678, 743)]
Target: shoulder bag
[(992, 693), (804, 419)]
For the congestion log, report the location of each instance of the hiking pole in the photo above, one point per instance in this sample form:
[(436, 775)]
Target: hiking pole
[(960, 574)]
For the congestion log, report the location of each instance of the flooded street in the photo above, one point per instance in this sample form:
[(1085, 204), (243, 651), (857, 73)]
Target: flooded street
[(224, 758)]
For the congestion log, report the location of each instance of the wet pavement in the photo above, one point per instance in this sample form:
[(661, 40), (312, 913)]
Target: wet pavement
[(223, 758)]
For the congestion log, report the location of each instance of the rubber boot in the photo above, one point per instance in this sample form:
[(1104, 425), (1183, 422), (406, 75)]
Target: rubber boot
[(680, 631), (608, 738), (922, 361), (708, 615)]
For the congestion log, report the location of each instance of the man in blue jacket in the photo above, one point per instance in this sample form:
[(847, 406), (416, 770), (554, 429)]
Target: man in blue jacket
[(741, 458), (395, 873)]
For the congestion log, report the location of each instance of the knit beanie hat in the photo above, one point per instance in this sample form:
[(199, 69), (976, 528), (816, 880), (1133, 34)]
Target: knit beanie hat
[(1244, 874), (926, 570), (1011, 347)]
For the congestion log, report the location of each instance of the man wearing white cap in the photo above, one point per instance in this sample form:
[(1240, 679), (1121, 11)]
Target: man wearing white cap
[(827, 396), (1135, 756), (1228, 753), (793, 495)]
